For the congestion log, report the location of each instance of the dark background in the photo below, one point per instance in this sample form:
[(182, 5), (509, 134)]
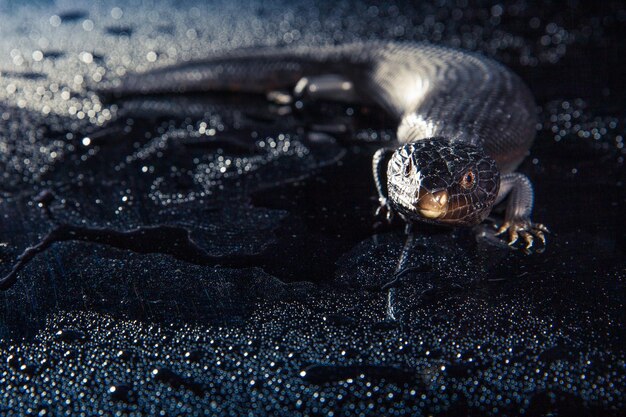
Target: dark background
[(166, 284)]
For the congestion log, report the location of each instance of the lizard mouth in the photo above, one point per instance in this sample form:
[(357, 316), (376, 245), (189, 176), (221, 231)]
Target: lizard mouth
[(433, 205)]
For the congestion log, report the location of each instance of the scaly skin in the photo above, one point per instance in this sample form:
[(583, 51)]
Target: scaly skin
[(465, 122)]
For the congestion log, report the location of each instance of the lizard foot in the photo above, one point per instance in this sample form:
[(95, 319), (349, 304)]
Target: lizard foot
[(524, 229), (384, 210), (282, 98)]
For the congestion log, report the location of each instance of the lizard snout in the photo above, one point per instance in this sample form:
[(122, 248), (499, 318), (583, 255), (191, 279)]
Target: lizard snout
[(432, 205)]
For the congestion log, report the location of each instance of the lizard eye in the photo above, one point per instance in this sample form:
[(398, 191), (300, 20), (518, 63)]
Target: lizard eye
[(408, 167), (468, 179)]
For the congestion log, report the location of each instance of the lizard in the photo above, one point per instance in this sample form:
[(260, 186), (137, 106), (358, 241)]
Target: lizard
[(465, 121)]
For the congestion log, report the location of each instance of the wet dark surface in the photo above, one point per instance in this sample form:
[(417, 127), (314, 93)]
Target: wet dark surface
[(208, 255)]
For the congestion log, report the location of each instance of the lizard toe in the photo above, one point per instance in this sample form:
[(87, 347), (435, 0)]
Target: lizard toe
[(528, 239)]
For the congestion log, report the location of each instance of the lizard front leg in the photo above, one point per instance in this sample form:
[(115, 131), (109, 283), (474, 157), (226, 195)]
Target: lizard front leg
[(379, 168), (519, 190)]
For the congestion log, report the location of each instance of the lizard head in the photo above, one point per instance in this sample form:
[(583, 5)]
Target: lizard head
[(438, 181)]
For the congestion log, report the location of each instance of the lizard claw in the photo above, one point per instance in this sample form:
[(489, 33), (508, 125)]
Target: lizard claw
[(524, 229), (384, 210)]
